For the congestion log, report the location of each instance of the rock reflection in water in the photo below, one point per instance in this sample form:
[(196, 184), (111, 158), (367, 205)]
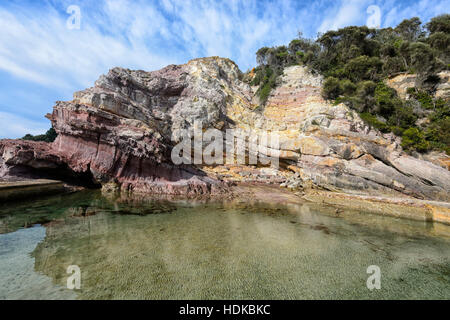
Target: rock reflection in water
[(235, 250)]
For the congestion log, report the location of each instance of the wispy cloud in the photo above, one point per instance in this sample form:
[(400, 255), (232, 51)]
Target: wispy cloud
[(14, 126), (396, 12), (40, 48), (36, 45), (345, 13)]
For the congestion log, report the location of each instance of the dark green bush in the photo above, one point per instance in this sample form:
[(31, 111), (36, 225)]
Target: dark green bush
[(49, 136), (425, 99), (331, 88), (393, 65), (386, 99), (440, 23), (363, 68), (363, 99), (410, 29), (348, 88), (413, 139), (372, 120), (266, 79)]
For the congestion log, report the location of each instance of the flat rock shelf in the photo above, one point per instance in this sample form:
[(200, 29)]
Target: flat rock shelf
[(17, 190)]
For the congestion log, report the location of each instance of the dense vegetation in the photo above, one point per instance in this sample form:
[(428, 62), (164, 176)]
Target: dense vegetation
[(49, 136), (355, 61)]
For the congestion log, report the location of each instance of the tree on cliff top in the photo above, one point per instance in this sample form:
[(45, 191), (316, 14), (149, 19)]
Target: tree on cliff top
[(49, 136), (355, 61)]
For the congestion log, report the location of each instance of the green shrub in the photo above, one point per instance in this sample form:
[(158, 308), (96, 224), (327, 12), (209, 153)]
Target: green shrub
[(425, 99), (398, 131), (393, 65), (347, 87), (385, 98), (403, 116), (265, 78), (363, 68), (264, 92), (372, 121), (438, 133), (422, 58), (411, 90), (300, 54), (49, 136), (413, 139), (363, 99), (439, 41), (439, 24), (331, 88)]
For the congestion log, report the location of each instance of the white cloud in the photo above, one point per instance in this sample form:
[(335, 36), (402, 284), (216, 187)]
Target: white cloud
[(425, 9), (347, 13), (237, 29), (13, 126), (168, 6), (40, 48), (37, 46)]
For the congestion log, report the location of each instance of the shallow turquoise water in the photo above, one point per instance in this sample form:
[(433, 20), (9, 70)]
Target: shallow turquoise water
[(161, 249)]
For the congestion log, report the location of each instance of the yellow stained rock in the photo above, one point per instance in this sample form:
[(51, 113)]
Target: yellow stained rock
[(313, 146)]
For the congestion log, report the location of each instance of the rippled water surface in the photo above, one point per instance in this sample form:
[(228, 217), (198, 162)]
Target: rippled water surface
[(161, 249)]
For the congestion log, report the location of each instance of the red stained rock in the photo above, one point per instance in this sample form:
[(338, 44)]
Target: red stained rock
[(110, 134)]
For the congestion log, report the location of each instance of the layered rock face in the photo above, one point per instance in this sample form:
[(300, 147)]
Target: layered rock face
[(121, 133), (120, 130), (334, 149), (402, 82), (19, 158)]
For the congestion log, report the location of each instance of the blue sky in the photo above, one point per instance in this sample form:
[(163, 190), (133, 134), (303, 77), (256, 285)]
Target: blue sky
[(42, 60)]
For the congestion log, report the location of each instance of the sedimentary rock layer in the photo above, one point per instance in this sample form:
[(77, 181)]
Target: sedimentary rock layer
[(120, 134)]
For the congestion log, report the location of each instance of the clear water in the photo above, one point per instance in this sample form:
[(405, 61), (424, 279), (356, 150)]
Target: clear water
[(168, 249)]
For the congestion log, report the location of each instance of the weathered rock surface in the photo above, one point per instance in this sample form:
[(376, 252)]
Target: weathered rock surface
[(121, 132), (18, 158), (402, 82)]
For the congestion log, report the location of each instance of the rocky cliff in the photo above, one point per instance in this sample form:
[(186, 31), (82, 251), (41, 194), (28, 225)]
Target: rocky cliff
[(120, 134)]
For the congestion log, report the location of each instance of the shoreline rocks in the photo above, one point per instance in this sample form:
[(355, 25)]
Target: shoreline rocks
[(409, 208), (22, 190)]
